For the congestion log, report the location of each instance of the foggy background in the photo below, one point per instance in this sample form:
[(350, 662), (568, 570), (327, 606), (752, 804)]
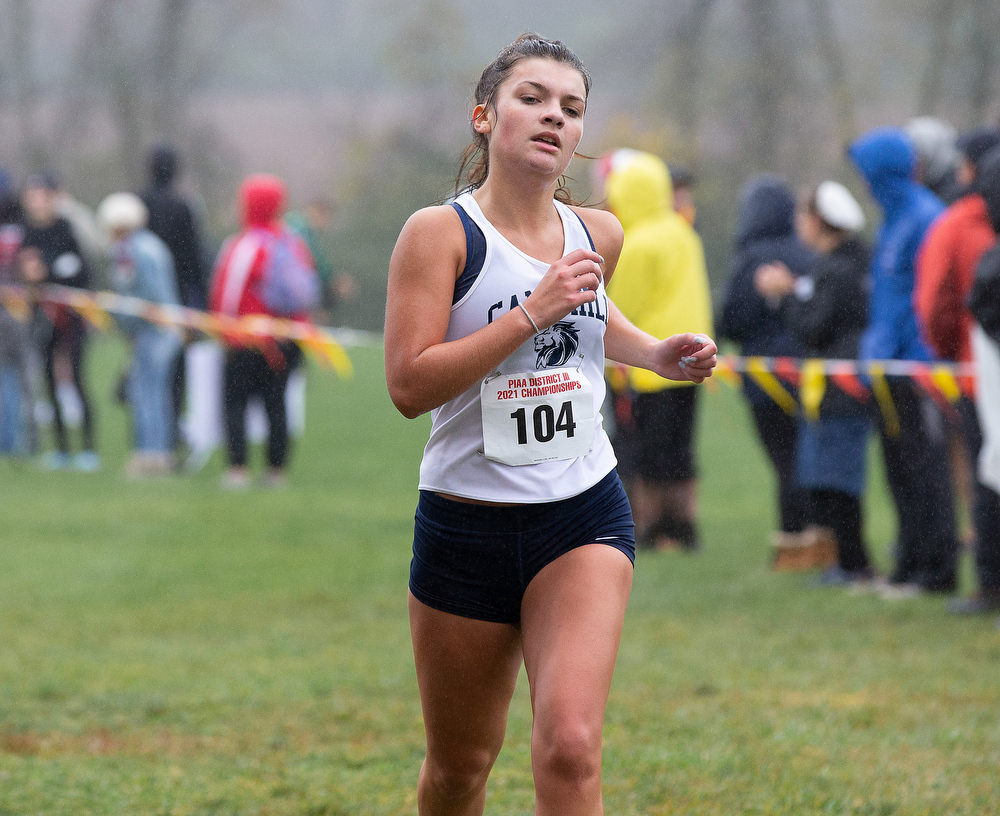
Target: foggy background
[(365, 102)]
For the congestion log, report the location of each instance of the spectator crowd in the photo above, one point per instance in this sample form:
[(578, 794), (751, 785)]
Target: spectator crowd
[(149, 245), (804, 284)]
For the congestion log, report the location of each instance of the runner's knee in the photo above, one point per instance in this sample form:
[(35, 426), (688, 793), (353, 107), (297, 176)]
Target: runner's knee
[(459, 775), (569, 752)]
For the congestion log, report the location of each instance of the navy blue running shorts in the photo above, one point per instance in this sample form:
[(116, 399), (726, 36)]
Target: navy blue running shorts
[(477, 560)]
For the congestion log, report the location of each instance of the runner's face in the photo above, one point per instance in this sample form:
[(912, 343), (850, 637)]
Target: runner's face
[(538, 116)]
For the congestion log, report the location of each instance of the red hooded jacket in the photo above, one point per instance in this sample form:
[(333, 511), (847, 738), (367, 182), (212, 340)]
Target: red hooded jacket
[(946, 266), (239, 271)]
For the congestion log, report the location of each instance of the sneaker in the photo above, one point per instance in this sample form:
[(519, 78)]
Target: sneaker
[(87, 461), (55, 460), (274, 479), (144, 465), (196, 460), (865, 582), (833, 577), (900, 592), (980, 604), (235, 479)]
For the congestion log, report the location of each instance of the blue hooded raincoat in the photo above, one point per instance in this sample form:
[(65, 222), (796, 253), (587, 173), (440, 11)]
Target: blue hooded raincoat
[(886, 159)]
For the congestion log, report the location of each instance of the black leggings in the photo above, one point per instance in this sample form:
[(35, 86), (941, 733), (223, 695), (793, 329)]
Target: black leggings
[(841, 512), (247, 373), (71, 335), (985, 505), (916, 468), (778, 432)]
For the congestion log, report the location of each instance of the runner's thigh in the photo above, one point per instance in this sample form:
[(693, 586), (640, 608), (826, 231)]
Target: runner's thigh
[(571, 621), (466, 670)]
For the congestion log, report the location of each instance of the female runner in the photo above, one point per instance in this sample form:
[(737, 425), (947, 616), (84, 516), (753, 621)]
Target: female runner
[(497, 321)]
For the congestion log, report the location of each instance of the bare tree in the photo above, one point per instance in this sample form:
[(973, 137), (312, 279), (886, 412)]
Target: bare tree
[(96, 62), (33, 147), (832, 56), (983, 53), (687, 69), (146, 96), (168, 41), (942, 25), (764, 84)]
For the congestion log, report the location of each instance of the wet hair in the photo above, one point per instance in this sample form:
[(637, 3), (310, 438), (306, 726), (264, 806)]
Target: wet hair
[(475, 162)]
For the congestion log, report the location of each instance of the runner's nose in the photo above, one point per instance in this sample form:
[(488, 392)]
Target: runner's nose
[(554, 115)]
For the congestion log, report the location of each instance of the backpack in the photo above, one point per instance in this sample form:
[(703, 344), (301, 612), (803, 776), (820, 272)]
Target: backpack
[(984, 299), (289, 286)]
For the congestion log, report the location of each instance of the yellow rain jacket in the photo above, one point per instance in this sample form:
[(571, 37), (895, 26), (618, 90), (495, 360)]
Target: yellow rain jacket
[(660, 283)]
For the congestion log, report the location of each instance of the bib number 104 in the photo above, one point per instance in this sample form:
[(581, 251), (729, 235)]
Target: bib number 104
[(544, 422)]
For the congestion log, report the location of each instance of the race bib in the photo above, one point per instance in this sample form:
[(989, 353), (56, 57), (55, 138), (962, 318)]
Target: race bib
[(540, 416)]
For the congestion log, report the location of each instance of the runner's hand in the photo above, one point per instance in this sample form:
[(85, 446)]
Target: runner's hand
[(570, 282), (685, 357)]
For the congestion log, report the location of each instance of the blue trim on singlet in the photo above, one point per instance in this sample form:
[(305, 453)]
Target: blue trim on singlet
[(594, 248), (475, 254)]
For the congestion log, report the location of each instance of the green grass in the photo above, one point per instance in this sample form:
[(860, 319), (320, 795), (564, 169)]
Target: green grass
[(169, 648)]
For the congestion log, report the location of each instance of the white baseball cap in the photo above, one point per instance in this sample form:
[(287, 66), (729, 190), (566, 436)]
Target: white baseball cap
[(838, 208), (123, 211)]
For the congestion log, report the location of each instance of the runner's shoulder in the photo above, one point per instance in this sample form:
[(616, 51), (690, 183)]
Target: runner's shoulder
[(604, 228), (440, 221), (435, 233)]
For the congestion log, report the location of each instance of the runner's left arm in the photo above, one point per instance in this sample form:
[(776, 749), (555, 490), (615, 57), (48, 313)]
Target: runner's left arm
[(680, 357)]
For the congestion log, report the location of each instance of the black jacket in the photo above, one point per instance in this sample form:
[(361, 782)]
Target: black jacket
[(63, 259), (172, 221), (828, 320), (765, 233)]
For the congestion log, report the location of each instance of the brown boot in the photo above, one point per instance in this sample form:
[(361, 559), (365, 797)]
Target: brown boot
[(822, 544), (790, 553)]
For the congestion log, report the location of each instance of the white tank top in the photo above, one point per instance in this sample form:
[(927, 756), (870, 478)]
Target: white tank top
[(454, 461)]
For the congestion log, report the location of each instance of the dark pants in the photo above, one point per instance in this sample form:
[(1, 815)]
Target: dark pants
[(777, 431), (917, 467), (70, 334), (248, 373), (177, 393), (841, 512), (985, 506)]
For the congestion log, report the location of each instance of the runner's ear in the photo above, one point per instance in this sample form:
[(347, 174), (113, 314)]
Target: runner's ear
[(480, 119)]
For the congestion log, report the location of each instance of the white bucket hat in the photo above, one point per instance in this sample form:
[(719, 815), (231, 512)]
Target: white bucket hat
[(838, 208)]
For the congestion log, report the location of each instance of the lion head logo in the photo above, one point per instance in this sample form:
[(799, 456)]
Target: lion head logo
[(557, 344)]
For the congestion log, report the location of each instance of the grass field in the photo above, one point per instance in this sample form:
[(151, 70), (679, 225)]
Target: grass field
[(169, 648)]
